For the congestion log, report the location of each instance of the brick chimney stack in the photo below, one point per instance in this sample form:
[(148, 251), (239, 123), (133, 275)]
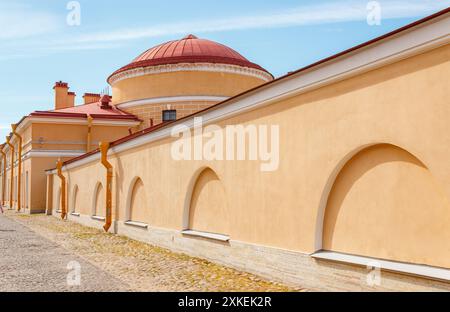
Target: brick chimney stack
[(63, 98), (71, 99), (91, 98)]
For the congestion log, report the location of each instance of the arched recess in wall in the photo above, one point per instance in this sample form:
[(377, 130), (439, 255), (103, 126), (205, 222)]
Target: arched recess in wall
[(206, 204), (98, 201), (137, 205), (73, 206), (58, 200), (386, 204)]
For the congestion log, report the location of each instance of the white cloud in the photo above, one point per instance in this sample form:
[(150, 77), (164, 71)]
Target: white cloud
[(18, 21), (29, 30), (332, 12)]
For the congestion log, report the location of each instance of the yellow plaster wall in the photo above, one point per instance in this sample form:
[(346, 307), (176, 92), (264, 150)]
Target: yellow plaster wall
[(209, 211), (50, 137), (182, 83), (99, 208), (154, 111), (87, 195), (404, 104), (138, 204), (74, 204), (38, 181), (405, 204), (73, 137)]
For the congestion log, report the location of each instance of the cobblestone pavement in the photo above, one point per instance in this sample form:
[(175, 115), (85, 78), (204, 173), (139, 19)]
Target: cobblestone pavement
[(139, 265), (32, 263)]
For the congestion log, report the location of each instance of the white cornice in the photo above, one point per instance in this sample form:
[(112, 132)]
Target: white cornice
[(408, 43), (204, 67), (173, 99), (76, 121), (52, 153)]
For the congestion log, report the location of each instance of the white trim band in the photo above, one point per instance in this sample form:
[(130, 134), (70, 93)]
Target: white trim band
[(386, 265), (202, 67), (217, 237), (173, 99), (137, 224), (97, 218), (52, 153), (76, 121)]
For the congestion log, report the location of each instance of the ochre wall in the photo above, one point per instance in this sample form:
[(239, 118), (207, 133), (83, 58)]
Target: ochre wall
[(209, 211), (404, 104), (138, 203), (383, 198), (99, 209), (154, 111), (182, 83), (53, 137), (73, 137), (74, 206)]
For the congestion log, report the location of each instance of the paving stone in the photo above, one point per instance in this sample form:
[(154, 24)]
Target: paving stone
[(137, 265), (32, 263)]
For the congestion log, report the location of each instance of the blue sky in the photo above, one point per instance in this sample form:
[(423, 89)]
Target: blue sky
[(38, 47)]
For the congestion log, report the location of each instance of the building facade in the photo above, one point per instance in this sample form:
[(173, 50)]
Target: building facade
[(45, 137), (362, 181)]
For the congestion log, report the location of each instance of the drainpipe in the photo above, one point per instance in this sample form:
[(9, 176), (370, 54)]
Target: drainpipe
[(89, 134), (8, 142), (4, 176), (59, 166), (19, 174), (104, 147)]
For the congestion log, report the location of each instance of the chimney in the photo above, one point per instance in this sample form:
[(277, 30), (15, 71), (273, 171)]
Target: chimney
[(91, 98), (105, 102), (71, 99), (63, 98)]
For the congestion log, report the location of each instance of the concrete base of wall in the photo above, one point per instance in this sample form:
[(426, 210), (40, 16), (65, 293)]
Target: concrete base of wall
[(86, 221), (288, 267), (26, 210)]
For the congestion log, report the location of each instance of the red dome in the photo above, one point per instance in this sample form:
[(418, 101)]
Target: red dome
[(189, 50)]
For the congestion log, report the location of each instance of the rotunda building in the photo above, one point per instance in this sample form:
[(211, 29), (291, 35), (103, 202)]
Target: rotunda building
[(181, 77)]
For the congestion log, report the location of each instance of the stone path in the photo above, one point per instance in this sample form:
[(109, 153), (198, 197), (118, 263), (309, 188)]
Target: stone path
[(35, 251), (32, 263)]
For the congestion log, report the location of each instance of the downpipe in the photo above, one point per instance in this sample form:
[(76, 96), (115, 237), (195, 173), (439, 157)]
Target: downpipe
[(59, 166), (11, 190), (104, 147), (19, 173)]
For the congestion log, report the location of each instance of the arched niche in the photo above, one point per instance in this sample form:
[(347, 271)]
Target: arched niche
[(385, 203), (98, 202), (137, 204), (206, 204), (74, 202)]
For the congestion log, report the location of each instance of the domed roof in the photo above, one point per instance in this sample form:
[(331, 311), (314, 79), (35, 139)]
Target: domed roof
[(190, 49)]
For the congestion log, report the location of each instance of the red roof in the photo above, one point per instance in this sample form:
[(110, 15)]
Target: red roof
[(93, 109), (190, 49)]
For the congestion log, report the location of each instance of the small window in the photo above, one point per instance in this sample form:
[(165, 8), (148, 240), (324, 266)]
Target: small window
[(169, 115)]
